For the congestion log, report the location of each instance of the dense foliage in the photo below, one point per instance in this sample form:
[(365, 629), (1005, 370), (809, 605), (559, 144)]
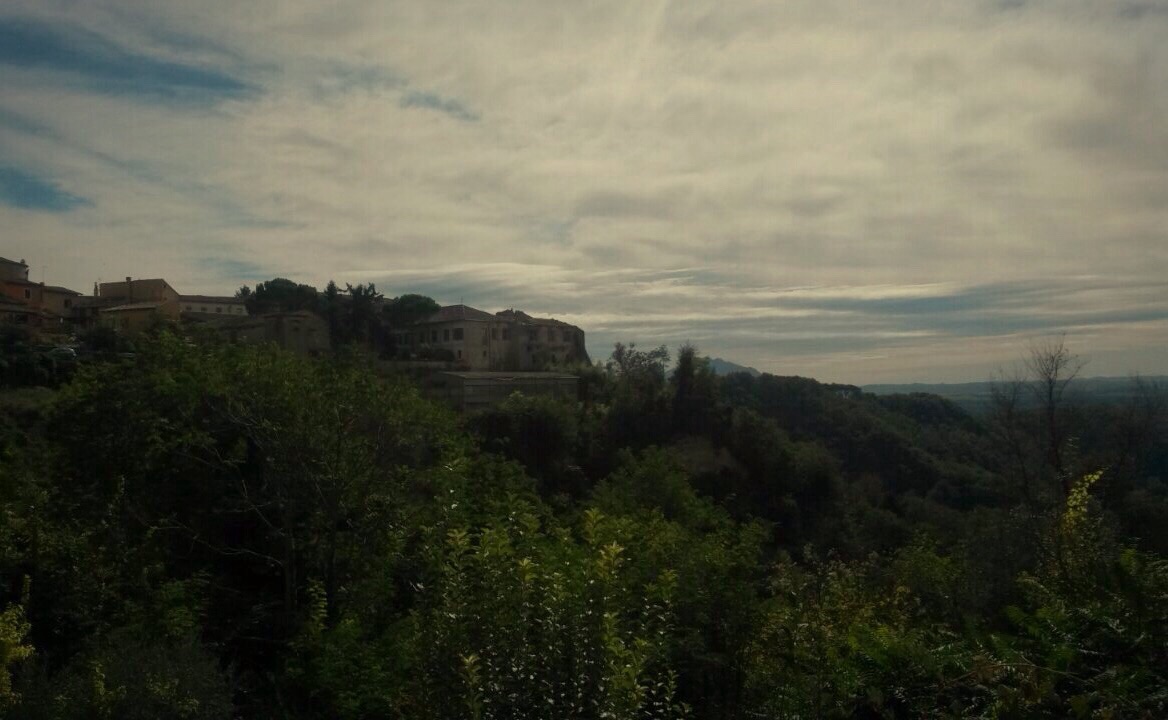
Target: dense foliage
[(200, 530)]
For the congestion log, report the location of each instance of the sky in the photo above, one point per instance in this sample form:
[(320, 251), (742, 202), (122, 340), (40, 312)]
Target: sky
[(908, 190)]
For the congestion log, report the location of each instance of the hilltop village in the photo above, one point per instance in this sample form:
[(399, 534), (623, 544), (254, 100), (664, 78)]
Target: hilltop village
[(467, 356)]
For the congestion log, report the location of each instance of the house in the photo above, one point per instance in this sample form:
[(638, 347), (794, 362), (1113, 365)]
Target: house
[(211, 305), (505, 341), (135, 305), (13, 270), (47, 306), (138, 291)]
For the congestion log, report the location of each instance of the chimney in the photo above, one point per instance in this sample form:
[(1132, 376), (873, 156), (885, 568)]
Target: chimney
[(129, 290), (96, 291)]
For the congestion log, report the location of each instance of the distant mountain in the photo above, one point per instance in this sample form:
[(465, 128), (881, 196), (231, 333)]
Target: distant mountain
[(975, 396), (725, 367)]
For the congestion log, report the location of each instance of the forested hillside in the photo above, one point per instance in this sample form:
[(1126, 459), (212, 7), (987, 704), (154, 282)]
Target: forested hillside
[(200, 530)]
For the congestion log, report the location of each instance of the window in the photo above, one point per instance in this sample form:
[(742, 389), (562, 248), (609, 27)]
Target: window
[(445, 335), (27, 293), (68, 302), (457, 333), (506, 334), (218, 309), (494, 333), (459, 354), (433, 336), (203, 308), (187, 308), (421, 337), (484, 353)]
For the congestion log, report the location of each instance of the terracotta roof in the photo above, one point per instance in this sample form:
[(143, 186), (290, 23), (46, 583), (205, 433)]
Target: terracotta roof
[(59, 289), (457, 312), (135, 306)]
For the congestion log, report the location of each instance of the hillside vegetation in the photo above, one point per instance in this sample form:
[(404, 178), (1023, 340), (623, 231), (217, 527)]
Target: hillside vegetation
[(200, 530)]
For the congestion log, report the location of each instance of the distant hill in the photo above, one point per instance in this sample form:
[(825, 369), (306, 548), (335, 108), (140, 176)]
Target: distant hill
[(975, 396), (725, 367)]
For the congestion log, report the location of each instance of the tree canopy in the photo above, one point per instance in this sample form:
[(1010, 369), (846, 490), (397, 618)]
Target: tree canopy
[(203, 530)]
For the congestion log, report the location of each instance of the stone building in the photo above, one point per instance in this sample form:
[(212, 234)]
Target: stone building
[(300, 331), (510, 340)]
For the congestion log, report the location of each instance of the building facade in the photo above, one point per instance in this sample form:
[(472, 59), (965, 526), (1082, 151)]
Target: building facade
[(46, 307), (132, 306), (510, 340), (211, 305), (300, 331)]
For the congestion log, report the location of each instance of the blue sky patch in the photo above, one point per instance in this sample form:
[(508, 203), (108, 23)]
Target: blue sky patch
[(103, 66), (430, 101), (232, 268), (29, 192)]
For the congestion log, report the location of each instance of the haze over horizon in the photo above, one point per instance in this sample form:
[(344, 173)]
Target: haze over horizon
[(856, 192)]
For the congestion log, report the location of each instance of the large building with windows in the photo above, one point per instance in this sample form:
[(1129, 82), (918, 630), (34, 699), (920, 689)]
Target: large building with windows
[(508, 340), (211, 305)]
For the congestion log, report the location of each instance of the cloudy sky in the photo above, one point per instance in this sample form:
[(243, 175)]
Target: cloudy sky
[(854, 191)]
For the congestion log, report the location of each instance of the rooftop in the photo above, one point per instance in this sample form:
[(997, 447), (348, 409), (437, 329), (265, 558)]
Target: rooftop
[(211, 299), (457, 312), (50, 288), (135, 306)]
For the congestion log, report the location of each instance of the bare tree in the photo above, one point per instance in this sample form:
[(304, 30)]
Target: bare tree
[(1031, 412), (1052, 367)]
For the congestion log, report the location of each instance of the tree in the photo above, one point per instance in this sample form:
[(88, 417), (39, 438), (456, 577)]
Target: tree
[(1033, 419), (361, 319), (640, 409), (695, 399), (281, 295), (1052, 368), (405, 310)]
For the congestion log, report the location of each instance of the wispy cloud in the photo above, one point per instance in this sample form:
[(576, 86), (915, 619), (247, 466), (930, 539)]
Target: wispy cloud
[(845, 189)]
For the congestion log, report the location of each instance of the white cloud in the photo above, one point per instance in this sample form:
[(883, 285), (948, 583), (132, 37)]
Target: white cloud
[(663, 169)]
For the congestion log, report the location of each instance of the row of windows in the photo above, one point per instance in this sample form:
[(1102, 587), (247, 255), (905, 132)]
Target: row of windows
[(457, 335), (218, 309)]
